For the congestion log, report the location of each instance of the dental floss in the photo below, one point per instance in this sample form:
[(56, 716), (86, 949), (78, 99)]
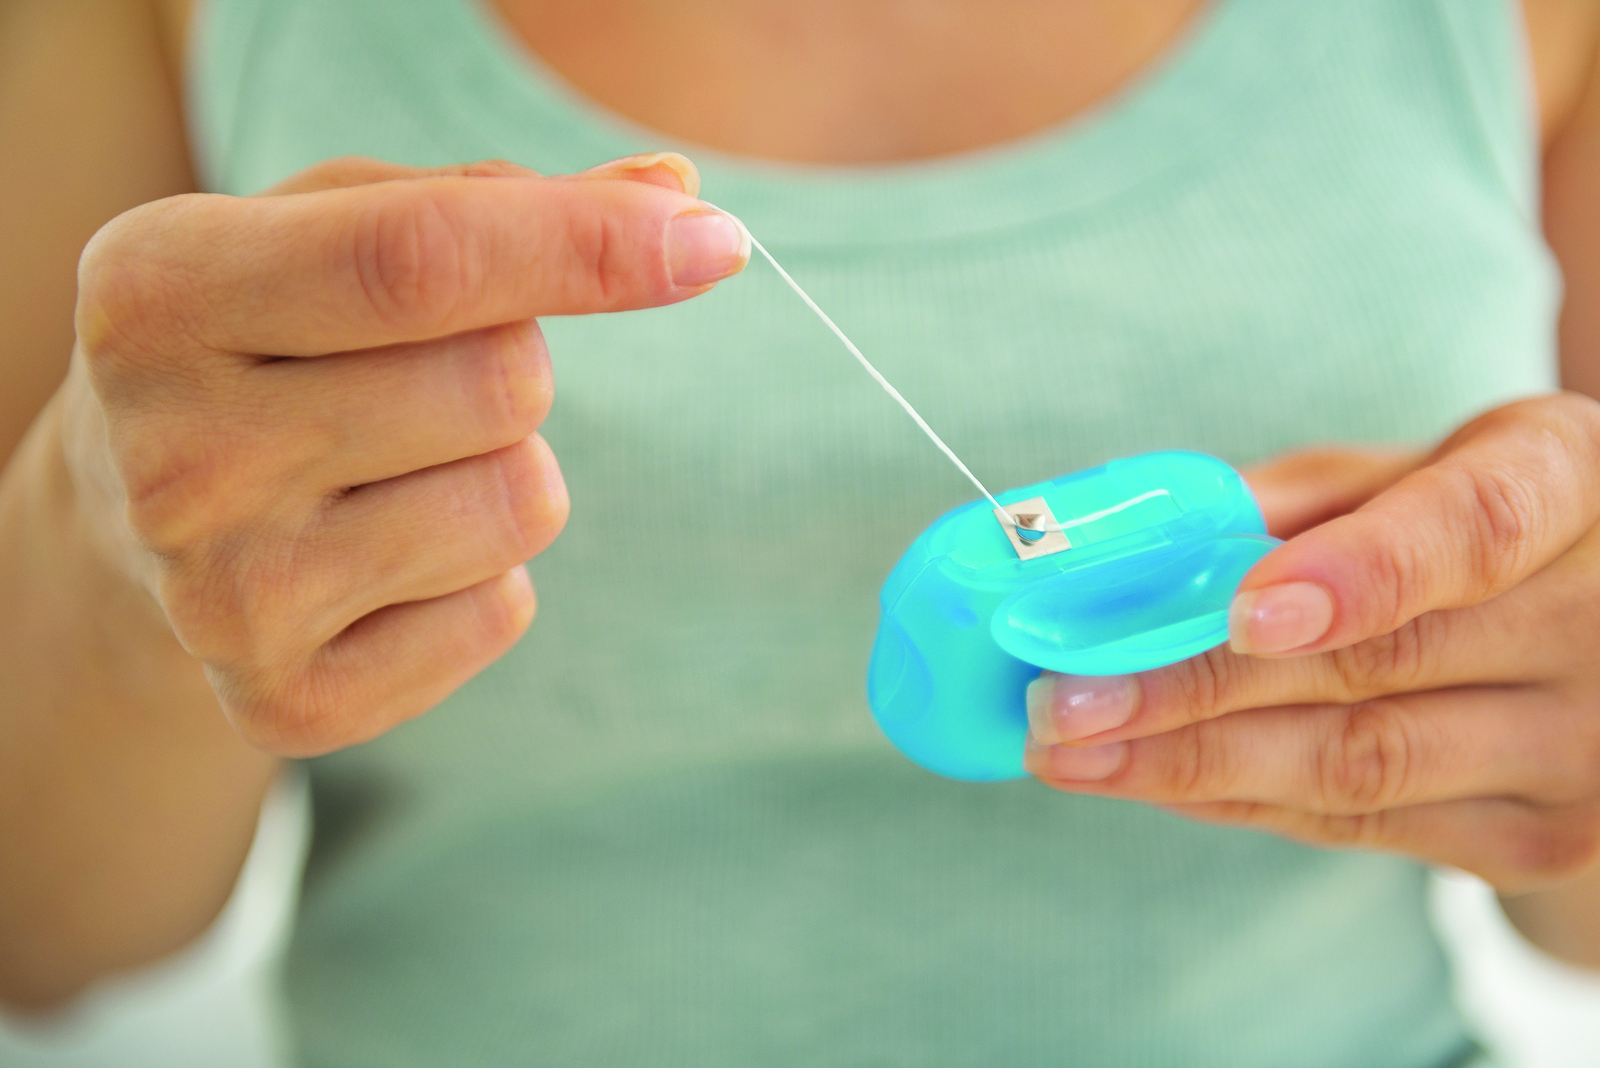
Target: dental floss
[(1002, 514), (871, 370)]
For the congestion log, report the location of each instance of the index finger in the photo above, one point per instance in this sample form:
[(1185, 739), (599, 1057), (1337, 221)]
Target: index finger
[(1501, 499), (398, 261)]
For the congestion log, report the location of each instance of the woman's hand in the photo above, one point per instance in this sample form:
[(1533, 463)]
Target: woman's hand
[(1419, 675), (306, 422)]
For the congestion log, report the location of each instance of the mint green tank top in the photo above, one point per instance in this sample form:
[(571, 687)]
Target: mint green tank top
[(663, 830)]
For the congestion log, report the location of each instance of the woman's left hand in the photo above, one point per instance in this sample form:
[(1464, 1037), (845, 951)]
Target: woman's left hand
[(1419, 675)]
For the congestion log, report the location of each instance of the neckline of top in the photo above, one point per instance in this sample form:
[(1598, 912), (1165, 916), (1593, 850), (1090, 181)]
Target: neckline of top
[(1189, 106)]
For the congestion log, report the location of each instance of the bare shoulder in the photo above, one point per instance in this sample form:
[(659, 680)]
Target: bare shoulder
[(1562, 40)]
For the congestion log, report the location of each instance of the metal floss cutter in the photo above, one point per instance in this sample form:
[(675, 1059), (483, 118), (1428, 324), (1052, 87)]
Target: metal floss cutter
[(1153, 549)]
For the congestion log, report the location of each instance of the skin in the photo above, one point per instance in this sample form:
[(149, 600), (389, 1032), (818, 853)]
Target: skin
[(201, 444), (841, 81)]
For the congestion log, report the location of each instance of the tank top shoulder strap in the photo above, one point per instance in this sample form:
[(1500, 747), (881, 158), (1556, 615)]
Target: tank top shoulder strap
[(1487, 44)]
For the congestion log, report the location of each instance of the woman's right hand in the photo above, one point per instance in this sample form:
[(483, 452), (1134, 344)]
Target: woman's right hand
[(306, 422)]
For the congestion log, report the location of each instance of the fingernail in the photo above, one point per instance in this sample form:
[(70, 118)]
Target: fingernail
[(704, 247), (1279, 618), (1064, 708), (1087, 764), (688, 175)]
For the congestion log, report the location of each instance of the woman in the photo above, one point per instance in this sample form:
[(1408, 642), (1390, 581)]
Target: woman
[(279, 507)]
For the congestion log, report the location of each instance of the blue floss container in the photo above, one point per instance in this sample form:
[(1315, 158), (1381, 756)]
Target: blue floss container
[(1155, 547)]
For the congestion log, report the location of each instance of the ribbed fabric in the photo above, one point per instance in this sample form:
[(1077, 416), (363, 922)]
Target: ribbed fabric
[(663, 830)]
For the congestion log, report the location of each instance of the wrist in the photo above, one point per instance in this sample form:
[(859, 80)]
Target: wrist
[(88, 637), (121, 783)]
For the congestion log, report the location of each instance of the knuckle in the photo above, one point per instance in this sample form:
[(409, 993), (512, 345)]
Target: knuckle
[(241, 604), (1392, 661), (1507, 521), (171, 499), (182, 492), (1205, 683), (1396, 577), (301, 712), (535, 509), (311, 704), (130, 290), (202, 621), (504, 615), (1366, 763), (1196, 765), (510, 381), (410, 259), (603, 270)]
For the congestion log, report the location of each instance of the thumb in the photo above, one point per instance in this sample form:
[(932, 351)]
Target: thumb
[(1504, 496)]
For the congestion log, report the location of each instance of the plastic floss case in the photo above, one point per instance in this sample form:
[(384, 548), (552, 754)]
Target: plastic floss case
[(1153, 549)]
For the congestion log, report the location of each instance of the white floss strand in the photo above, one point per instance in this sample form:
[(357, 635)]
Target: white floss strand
[(1113, 510), (888, 388), (873, 371)]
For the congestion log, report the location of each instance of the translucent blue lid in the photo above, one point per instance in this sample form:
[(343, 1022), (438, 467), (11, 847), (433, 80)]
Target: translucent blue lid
[(1155, 547), (1131, 613)]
